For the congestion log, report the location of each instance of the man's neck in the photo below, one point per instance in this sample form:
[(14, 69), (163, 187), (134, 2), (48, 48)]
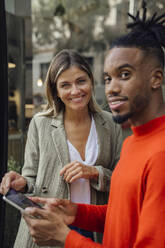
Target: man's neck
[(149, 114)]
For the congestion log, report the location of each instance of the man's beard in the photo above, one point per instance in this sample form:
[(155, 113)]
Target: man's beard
[(139, 103), (121, 118)]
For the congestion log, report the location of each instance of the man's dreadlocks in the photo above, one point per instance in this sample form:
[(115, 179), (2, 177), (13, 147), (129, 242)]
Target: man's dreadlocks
[(146, 34)]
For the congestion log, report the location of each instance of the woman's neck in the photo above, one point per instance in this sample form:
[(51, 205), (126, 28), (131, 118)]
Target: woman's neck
[(77, 116)]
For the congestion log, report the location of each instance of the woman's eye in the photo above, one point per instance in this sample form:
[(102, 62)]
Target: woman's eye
[(81, 81), (125, 74), (64, 85)]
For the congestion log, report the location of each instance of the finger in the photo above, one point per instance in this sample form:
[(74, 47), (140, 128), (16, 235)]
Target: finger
[(30, 220), (39, 242), (84, 172), (4, 188), (66, 167), (7, 180), (1, 187), (70, 170), (41, 213), (18, 184), (26, 216), (11, 176), (35, 241), (39, 200), (48, 203), (72, 174), (75, 165), (77, 176), (54, 202), (1, 191), (34, 212), (58, 202)]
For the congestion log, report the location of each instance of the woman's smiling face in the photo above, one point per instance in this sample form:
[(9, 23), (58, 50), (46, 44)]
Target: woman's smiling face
[(74, 88)]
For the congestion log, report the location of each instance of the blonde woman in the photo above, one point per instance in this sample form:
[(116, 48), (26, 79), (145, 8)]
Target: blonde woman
[(72, 148)]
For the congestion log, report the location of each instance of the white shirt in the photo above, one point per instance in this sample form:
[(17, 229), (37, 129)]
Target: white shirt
[(80, 189)]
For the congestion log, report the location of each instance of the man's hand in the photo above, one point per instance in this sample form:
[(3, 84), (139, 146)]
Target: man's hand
[(12, 180), (76, 170), (67, 208), (49, 224)]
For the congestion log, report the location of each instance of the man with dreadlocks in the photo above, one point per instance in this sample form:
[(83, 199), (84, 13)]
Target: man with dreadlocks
[(135, 214)]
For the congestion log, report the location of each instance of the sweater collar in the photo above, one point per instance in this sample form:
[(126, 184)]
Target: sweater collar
[(149, 127)]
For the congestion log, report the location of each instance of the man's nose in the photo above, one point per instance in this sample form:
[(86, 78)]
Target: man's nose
[(113, 88)]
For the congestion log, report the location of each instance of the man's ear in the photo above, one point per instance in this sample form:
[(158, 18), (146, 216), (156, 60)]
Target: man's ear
[(156, 78)]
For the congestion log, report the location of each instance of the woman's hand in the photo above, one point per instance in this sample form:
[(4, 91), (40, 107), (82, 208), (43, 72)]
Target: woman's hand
[(51, 226), (76, 170), (12, 180)]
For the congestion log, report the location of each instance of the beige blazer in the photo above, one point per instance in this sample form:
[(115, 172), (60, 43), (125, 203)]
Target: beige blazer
[(47, 152)]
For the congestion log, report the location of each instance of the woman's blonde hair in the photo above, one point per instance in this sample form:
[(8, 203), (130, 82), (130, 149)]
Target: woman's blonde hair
[(61, 62)]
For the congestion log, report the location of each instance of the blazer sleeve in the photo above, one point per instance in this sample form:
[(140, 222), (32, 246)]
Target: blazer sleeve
[(30, 168), (103, 182)]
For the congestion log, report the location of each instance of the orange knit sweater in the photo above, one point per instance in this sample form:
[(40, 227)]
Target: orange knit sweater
[(135, 214)]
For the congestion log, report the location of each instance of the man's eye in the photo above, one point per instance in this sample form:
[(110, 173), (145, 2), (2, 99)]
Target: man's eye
[(107, 80), (124, 74)]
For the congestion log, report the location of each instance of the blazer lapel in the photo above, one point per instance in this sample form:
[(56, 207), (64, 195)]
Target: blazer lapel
[(102, 133), (60, 140)]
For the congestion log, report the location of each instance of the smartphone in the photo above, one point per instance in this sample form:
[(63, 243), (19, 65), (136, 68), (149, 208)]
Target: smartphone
[(19, 200)]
